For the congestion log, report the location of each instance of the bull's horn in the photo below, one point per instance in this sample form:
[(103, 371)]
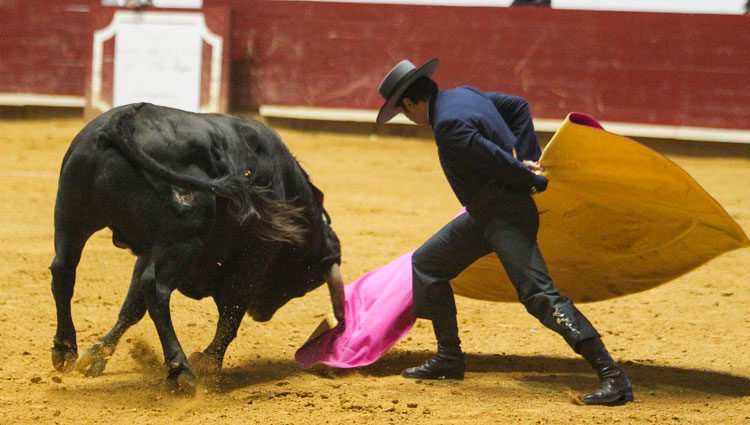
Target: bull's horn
[(336, 288)]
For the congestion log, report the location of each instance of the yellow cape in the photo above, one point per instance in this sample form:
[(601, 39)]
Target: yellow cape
[(617, 218)]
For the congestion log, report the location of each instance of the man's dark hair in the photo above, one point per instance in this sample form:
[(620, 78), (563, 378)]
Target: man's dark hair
[(423, 88)]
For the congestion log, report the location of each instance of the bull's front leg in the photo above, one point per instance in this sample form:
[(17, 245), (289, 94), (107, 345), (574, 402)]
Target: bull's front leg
[(230, 318), (157, 294)]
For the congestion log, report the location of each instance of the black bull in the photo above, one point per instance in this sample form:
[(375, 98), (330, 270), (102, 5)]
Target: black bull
[(211, 205)]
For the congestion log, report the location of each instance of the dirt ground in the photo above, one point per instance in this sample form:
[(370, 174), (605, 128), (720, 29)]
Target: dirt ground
[(685, 344)]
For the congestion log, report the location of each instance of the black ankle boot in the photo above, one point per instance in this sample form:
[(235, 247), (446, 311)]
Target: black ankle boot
[(449, 362), (614, 386)]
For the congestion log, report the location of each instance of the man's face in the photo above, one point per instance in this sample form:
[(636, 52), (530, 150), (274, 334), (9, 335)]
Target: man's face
[(418, 113)]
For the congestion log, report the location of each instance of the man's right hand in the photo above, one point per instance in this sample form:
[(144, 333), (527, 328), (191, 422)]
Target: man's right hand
[(540, 184)]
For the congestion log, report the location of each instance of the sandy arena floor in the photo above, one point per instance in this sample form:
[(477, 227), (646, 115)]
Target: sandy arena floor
[(685, 345)]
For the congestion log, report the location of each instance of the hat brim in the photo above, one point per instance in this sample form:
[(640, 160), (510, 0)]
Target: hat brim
[(388, 110)]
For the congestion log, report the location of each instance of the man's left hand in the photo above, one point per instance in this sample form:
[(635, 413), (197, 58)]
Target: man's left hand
[(533, 166)]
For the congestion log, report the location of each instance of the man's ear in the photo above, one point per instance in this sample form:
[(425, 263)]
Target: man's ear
[(408, 104)]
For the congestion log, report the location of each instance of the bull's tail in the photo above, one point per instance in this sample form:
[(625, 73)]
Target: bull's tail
[(283, 221)]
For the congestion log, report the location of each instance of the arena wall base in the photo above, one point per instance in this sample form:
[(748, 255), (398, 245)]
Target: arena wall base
[(32, 99)]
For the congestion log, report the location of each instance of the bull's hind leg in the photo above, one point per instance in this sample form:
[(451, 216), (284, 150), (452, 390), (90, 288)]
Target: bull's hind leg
[(94, 360), (69, 243)]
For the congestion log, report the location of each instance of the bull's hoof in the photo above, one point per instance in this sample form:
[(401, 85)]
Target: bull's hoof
[(205, 364), (182, 383), (64, 357), (93, 361)]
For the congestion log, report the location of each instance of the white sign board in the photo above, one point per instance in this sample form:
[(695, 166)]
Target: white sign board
[(158, 63)]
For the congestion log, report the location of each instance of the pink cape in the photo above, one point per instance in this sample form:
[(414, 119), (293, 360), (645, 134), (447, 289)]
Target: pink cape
[(378, 314)]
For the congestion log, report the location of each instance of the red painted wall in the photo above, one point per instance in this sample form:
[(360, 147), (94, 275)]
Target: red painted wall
[(655, 68), (42, 46)]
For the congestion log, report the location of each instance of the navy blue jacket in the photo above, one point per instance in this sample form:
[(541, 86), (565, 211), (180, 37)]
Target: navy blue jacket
[(476, 134)]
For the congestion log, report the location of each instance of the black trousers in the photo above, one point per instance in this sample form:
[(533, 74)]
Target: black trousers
[(509, 229)]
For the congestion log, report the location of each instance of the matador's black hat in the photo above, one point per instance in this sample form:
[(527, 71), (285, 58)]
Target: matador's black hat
[(397, 81)]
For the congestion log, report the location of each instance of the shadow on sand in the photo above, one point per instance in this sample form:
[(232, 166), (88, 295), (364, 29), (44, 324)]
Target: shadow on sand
[(571, 372)]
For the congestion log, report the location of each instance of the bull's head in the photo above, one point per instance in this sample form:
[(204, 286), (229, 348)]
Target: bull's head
[(298, 270)]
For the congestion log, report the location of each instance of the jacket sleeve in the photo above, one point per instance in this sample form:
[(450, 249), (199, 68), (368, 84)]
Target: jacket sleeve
[(463, 140), (516, 113)]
